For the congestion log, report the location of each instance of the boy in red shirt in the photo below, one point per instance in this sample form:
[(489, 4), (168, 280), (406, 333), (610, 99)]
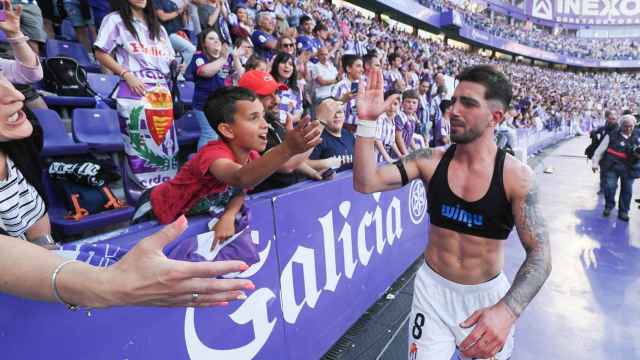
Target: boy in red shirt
[(237, 116)]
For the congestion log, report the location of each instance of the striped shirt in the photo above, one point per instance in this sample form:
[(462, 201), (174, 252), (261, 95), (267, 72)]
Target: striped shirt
[(386, 134), (350, 111), (286, 97), (20, 204), (407, 125)]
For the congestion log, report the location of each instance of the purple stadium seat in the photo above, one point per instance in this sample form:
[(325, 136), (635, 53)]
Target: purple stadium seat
[(188, 129), (56, 139), (73, 50), (92, 222), (103, 84), (69, 101), (68, 33), (186, 92), (98, 128)]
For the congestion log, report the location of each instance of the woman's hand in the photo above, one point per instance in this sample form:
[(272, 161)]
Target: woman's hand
[(146, 277), (136, 85), (11, 25)]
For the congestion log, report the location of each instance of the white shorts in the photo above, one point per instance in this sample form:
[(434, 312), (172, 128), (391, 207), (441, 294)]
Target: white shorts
[(440, 305)]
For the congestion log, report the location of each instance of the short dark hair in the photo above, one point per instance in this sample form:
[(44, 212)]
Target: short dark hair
[(348, 60), (368, 58), (319, 27), (444, 105), (391, 92), (608, 113), (410, 94), (497, 86), (221, 105), (305, 18), (253, 62), (392, 57)]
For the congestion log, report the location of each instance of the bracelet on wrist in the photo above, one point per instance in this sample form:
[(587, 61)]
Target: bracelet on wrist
[(54, 286), (123, 73), (17, 39)]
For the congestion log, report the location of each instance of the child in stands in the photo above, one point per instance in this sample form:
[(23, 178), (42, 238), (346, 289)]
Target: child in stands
[(214, 66), (237, 116)]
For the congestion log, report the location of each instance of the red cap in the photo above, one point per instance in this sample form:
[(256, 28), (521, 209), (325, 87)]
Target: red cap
[(260, 82)]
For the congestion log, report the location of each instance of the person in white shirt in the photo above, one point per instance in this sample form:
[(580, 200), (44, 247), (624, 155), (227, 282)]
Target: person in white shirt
[(324, 75)]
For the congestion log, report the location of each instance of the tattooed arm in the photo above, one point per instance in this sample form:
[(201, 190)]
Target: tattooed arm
[(492, 325), (534, 236)]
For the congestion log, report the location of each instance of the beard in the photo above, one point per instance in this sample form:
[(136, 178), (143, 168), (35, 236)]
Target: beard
[(466, 137)]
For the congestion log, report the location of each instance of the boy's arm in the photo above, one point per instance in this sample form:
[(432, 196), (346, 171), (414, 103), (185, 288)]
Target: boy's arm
[(297, 141), (400, 143), (382, 151), (308, 171), (225, 227)]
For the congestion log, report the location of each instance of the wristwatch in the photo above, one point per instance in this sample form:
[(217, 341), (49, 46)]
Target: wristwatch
[(44, 240)]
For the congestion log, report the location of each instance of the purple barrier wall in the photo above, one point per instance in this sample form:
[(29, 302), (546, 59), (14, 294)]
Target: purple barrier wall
[(326, 255)]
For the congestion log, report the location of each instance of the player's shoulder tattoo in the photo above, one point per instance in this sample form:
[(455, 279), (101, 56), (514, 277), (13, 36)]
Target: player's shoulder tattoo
[(424, 153)]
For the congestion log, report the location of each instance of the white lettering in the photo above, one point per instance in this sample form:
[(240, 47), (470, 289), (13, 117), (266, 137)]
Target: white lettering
[(394, 218), (253, 310), (326, 222), (345, 237), (627, 10), (290, 309), (610, 8), (590, 7), (364, 254)]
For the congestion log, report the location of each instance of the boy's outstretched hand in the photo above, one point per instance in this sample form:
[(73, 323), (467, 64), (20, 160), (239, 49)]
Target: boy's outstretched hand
[(305, 136)]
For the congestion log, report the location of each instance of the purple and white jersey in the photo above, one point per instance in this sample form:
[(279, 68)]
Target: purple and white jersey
[(148, 59), (390, 78), (350, 111), (386, 133), (286, 97), (407, 125)]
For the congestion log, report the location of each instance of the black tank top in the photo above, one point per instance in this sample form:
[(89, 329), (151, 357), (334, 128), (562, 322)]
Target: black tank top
[(489, 217)]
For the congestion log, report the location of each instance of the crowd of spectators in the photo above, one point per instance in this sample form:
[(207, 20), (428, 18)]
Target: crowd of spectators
[(306, 60), (542, 37)]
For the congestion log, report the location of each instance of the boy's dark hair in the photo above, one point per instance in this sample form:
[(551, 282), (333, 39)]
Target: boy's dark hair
[(410, 94), (391, 92), (392, 57), (221, 105), (348, 60), (253, 62), (304, 19), (319, 27), (368, 58), (444, 105), (497, 86)]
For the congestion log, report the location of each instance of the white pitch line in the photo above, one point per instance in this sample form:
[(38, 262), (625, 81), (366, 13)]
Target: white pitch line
[(393, 337)]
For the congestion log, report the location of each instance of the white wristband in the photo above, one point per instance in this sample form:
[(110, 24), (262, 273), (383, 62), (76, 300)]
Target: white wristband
[(365, 131)]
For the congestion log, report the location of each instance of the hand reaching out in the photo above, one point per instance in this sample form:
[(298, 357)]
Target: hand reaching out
[(223, 229), (305, 136), (146, 277)]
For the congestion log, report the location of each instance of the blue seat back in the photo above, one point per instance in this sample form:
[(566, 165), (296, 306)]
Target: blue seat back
[(99, 128)]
